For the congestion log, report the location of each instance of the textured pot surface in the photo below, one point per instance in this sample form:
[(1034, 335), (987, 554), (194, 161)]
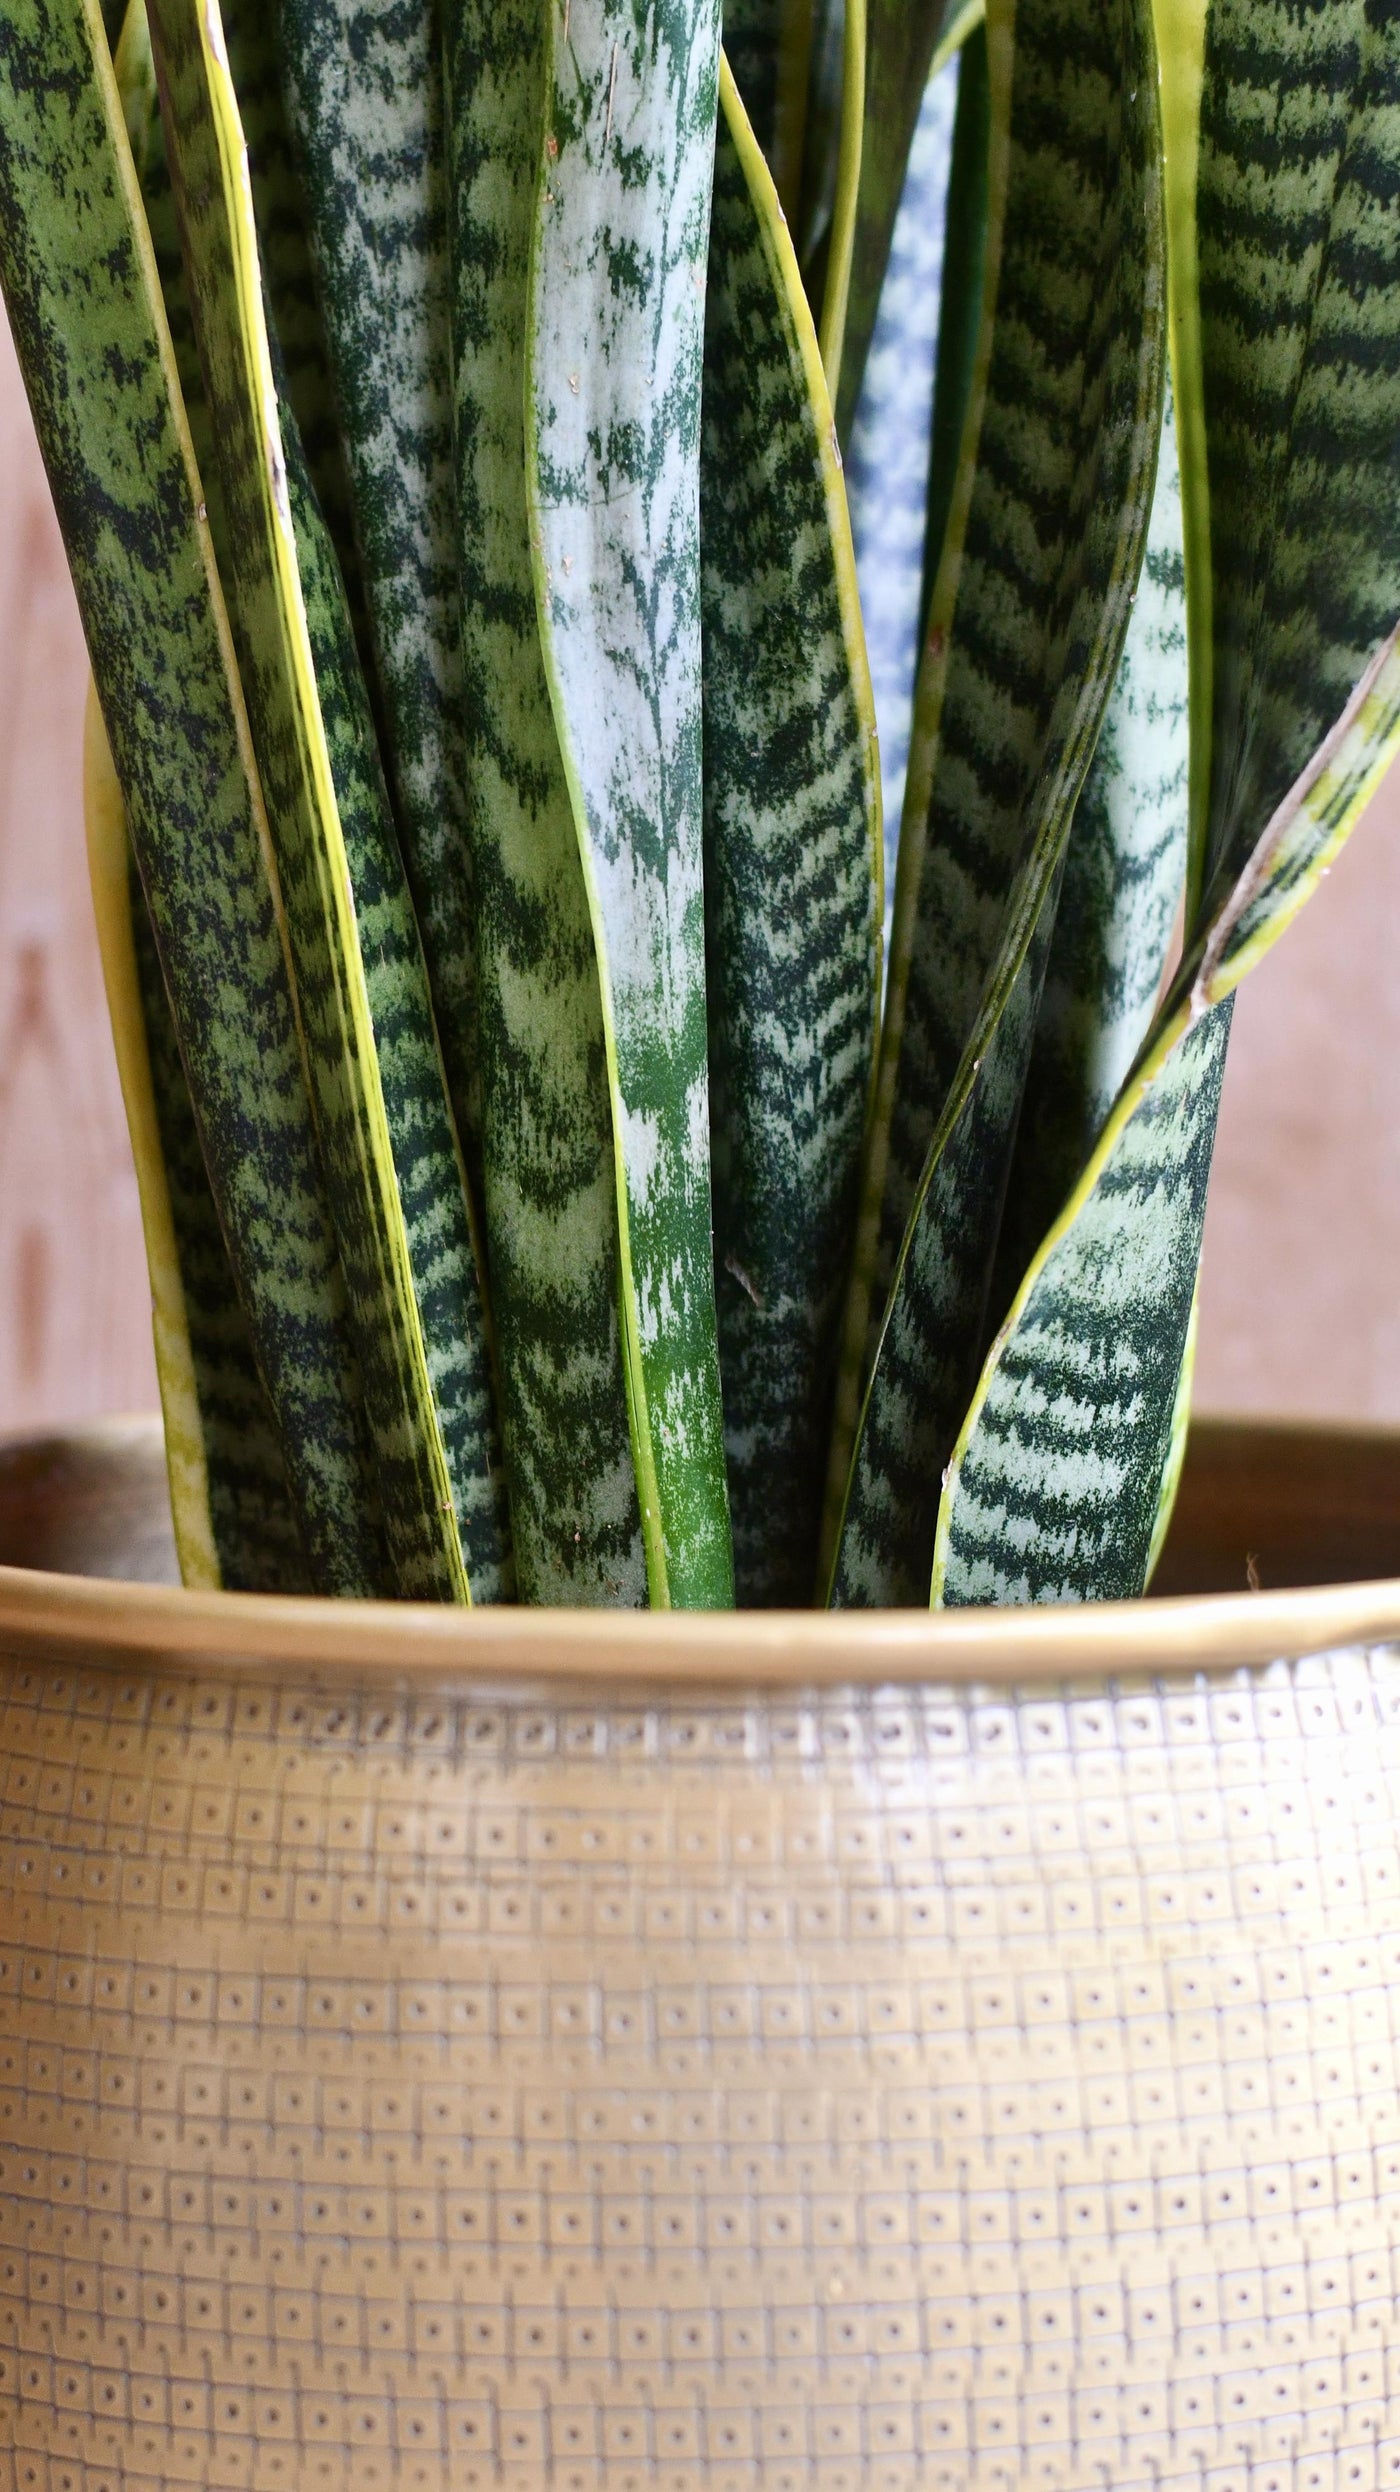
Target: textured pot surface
[(823, 2055)]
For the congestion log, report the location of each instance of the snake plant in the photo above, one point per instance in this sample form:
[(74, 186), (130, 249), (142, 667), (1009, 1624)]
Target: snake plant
[(484, 437)]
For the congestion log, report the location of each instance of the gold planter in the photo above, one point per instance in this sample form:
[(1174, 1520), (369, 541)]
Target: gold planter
[(789, 2054)]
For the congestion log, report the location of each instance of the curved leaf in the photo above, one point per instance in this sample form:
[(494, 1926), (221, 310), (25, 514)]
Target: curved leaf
[(235, 1525), (1026, 624), (547, 1153), (615, 335), (1054, 1486), (401, 1213), (365, 108), (792, 869), (84, 304)]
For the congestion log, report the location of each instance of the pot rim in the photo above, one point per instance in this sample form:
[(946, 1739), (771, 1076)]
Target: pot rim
[(423, 1644)]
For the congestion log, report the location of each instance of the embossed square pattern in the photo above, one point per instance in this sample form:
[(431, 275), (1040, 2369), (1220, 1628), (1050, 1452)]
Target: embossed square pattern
[(939, 2089)]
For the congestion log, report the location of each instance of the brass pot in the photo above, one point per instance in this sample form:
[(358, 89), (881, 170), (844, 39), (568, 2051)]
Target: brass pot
[(600, 2053)]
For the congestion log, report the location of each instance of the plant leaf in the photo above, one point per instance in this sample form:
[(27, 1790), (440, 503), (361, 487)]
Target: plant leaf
[(84, 304), (365, 109), (1054, 1486), (235, 1523), (1300, 348), (836, 285), (769, 46), (906, 42), (252, 45), (1125, 868), (886, 461), (1026, 624), (792, 869), (613, 365), (399, 1196), (433, 1196), (960, 307), (547, 1153), (1299, 327)]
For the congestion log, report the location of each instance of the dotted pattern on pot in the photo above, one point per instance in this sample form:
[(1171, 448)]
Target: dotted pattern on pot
[(940, 2090)]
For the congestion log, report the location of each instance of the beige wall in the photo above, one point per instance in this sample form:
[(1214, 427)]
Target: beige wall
[(1301, 1289)]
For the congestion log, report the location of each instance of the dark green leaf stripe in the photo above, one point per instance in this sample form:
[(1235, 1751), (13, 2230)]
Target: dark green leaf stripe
[(235, 1524), (615, 336), (792, 870), (364, 102), (1125, 869), (1025, 632), (1053, 1494), (548, 1177), (83, 300), (251, 36), (250, 1510), (430, 1470), (1299, 254)]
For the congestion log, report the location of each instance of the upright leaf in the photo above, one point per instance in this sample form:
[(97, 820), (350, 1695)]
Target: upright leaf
[(615, 335), (792, 869), (235, 1524), (836, 280), (401, 1214), (905, 39), (1026, 624), (84, 303), (1125, 868), (1056, 1485), (364, 103), (547, 1153), (769, 44), (1299, 259), (887, 457), (253, 50), (961, 307)]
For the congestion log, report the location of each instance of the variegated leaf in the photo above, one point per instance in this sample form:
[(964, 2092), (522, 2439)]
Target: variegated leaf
[(615, 334), (1047, 519), (401, 1213), (792, 870), (84, 303), (887, 457), (235, 1523), (1056, 1487), (548, 1172), (365, 107), (1125, 870), (905, 39)]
